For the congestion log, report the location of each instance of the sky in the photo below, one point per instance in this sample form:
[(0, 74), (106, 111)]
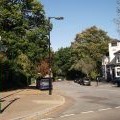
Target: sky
[(78, 16)]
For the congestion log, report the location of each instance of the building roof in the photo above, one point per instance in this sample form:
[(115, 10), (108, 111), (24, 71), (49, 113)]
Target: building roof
[(115, 40), (118, 52), (113, 63)]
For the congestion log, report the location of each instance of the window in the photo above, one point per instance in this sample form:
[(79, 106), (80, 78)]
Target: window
[(118, 71), (118, 59), (114, 44)]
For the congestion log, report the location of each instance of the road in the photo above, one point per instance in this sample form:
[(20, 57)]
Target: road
[(87, 102)]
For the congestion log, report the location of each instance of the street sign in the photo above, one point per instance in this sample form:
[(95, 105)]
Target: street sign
[(45, 84)]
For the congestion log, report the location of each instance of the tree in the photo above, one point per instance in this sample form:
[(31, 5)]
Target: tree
[(62, 62), (93, 41), (24, 30), (85, 65), (24, 63), (88, 49), (43, 68)]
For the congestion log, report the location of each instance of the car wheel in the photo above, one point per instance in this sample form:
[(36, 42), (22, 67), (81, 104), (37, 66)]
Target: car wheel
[(118, 84)]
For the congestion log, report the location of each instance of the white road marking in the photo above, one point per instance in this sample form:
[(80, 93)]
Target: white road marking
[(104, 109), (67, 115), (117, 107), (87, 112), (47, 119)]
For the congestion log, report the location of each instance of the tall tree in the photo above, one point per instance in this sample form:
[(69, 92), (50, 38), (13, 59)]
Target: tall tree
[(24, 30), (88, 49), (62, 62)]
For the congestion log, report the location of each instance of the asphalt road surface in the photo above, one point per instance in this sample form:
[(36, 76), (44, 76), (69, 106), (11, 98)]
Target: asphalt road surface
[(93, 102)]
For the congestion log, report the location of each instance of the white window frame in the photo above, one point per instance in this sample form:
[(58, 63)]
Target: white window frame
[(118, 59), (113, 44), (118, 71)]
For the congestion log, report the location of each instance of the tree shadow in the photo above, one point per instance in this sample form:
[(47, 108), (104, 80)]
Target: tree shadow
[(10, 95), (11, 102)]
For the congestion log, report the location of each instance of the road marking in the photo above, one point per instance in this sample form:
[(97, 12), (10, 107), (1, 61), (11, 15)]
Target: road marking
[(47, 119), (87, 112), (117, 107), (104, 109), (67, 115), (108, 90)]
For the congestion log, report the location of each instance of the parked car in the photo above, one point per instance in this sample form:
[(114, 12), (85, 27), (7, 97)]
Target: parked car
[(83, 81), (76, 80), (86, 81), (80, 81), (116, 81)]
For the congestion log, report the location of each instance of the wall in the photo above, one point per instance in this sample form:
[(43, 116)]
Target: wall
[(113, 49)]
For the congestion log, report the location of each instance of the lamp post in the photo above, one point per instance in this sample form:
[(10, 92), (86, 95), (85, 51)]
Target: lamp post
[(49, 43)]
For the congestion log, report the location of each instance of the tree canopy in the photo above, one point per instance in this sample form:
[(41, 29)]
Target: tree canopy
[(85, 53), (88, 50), (24, 32), (62, 61)]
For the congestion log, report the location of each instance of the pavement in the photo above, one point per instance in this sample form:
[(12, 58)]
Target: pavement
[(29, 103)]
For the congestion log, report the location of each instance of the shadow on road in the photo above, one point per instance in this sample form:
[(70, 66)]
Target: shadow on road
[(10, 102), (10, 95)]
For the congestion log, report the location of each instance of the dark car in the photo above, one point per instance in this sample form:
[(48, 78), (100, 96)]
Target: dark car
[(116, 81), (77, 80), (84, 81), (80, 81)]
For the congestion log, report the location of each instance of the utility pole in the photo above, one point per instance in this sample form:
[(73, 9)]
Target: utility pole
[(50, 72)]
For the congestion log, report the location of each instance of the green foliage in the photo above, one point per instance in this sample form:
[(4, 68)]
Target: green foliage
[(84, 57), (88, 49), (24, 31), (94, 74), (24, 63), (62, 62), (93, 41), (85, 64)]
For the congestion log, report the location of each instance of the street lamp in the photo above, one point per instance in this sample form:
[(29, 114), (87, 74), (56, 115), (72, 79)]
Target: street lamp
[(50, 79)]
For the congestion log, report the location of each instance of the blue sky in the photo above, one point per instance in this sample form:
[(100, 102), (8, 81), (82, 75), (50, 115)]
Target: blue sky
[(79, 15)]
